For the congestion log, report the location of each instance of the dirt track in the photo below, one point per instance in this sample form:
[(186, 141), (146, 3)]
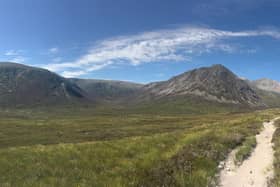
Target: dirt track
[(257, 169)]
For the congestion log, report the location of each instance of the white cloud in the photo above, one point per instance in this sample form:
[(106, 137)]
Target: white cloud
[(71, 74), (53, 50), (163, 45), (18, 59), (14, 56), (76, 73), (13, 52)]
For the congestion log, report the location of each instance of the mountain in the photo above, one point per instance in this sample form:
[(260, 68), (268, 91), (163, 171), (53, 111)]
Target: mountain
[(25, 85), (267, 85), (268, 90), (215, 83), (202, 89), (271, 99), (107, 89)]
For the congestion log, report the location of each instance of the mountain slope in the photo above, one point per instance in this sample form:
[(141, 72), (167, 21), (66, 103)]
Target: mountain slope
[(107, 89), (268, 90), (267, 85), (271, 99), (215, 83), (209, 88), (24, 85)]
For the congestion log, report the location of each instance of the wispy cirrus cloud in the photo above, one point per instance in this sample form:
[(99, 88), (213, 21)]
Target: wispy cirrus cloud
[(18, 59), (53, 50), (13, 52), (15, 56), (76, 73), (179, 44), (70, 74)]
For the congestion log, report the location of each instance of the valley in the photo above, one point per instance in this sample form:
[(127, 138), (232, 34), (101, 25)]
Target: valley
[(77, 132), (139, 93), (113, 150)]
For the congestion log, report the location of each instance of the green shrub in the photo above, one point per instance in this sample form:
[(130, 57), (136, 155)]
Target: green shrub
[(245, 150)]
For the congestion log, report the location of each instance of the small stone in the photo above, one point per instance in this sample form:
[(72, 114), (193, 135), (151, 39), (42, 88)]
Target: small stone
[(221, 165), (252, 182)]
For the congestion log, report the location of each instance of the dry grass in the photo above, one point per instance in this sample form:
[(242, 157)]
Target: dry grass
[(114, 150)]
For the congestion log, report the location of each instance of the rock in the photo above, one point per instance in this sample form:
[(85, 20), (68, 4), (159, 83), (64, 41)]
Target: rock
[(252, 182), (221, 165)]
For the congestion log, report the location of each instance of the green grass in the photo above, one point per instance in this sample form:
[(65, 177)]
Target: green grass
[(89, 164), (109, 149), (24, 127), (245, 150), (185, 105), (276, 164)]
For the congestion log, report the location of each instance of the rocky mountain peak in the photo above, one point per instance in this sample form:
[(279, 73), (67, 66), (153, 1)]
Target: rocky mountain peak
[(215, 83)]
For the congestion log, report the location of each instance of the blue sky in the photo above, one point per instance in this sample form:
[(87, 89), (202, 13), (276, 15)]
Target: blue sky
[(142, 41)]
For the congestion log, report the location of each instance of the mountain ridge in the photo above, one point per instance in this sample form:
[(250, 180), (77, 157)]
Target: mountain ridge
[(21, 84), (267, 84), (214, 83), (98, 89), (26, 85)]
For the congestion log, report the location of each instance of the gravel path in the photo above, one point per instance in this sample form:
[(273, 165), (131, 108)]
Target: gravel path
[(257, 169)]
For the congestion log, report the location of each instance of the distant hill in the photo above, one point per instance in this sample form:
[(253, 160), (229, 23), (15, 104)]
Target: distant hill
[(107, 89), (267, 85), (268, 90), (215, 83), (25, 85)]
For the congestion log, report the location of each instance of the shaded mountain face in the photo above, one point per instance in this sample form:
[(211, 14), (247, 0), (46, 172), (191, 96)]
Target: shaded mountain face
[(215, 83), (24, 85), (267, 85), (107, 89)]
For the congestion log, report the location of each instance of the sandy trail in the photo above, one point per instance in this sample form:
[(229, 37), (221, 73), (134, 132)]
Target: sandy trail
[(257, 169)]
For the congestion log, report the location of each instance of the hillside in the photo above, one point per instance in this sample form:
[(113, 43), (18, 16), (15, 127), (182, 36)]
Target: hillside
[(267, 85), (215, 83), (268, 90), (24, 85), (107, 89), (213, 88)]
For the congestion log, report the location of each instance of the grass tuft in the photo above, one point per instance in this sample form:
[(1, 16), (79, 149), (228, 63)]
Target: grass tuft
[(276, 163), (245, 150)]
